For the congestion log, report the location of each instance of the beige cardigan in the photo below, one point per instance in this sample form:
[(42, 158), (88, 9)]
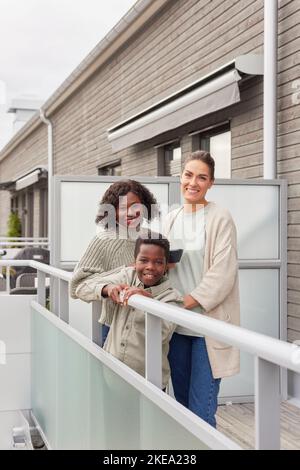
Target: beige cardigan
[(218, 292)]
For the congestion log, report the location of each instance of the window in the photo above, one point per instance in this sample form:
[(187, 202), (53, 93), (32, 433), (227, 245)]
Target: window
[(23, 214), (30, 213), (171, 154), (14, 204), (113, 169), (217, 141), (43, 212)]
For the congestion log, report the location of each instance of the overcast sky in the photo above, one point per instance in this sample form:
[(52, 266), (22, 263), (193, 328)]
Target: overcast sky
[(42, 41)]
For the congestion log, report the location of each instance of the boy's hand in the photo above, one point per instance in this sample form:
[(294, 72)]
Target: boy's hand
[(113, 292), (129, 291)]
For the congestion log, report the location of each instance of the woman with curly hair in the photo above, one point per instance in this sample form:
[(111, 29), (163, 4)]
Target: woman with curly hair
[(121, 211)]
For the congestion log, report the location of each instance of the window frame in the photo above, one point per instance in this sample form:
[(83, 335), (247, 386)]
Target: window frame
[(201, 139), (164, 158), (104, 170)]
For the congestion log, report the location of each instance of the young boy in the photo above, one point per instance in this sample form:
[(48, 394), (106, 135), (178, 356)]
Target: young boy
[(126, 337)]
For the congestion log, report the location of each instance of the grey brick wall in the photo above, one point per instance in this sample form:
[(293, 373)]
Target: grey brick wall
[(187, 40)]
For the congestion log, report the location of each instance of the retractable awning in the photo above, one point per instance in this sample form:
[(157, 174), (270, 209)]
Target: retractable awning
[(28, 180), (209, 94), (25, 180)]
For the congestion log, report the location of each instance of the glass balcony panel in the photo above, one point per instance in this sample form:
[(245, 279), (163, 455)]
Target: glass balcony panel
[(82, 404), (72, 394), (44, 339), (259, 295), (168, 434)]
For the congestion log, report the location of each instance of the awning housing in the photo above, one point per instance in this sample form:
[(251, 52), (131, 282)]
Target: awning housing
[(209, 94), (28, 180), (25, 180), (7, 185)]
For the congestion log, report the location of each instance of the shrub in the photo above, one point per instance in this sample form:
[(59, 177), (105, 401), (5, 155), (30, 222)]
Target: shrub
[(14, 225)]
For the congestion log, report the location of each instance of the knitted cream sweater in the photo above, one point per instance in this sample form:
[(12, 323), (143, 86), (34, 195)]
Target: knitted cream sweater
[(105, 253)]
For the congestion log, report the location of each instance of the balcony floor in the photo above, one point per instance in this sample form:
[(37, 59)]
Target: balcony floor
[(237, 422)]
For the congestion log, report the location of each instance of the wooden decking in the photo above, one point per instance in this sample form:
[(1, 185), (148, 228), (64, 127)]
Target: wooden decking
[(237, 422)]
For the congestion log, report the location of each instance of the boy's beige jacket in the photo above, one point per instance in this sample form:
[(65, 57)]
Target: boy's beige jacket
[(218, 292), (126, 338)]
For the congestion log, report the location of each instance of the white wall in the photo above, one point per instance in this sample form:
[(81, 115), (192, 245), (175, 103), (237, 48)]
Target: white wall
[(15, 372)]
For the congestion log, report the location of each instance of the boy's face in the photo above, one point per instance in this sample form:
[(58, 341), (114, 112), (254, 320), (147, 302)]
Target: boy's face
[(150, 264)]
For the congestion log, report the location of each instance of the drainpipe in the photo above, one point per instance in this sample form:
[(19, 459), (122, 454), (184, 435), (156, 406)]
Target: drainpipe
[(50, 175), (270, 88)]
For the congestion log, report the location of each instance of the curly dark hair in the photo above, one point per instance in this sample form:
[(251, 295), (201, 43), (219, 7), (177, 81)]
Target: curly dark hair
[(152, 238), (123, 187)]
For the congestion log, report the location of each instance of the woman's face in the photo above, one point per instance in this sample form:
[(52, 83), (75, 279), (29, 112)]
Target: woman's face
[(129, 212), (195, 182)]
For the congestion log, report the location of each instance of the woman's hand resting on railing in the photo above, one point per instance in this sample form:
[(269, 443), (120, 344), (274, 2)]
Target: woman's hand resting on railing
[(189, 302)]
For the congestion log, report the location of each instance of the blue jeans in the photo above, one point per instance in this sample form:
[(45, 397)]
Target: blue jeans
[(192, 379), (105, 330)]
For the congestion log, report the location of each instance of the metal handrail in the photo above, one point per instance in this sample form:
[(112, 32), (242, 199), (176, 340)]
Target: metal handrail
[(268, 348), (271, 349), (41, 267), (270, 354), (20, 242), (23, 238)]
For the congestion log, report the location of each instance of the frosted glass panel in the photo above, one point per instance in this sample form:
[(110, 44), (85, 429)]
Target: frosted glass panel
[(82, 404), (79, 204), (73, 395), (255, 211), (168, 435), (44, 340), (259, 294)]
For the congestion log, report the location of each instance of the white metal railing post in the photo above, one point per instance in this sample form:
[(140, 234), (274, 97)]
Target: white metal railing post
[(153, 350), (267, 405), (41, 288), (63, 301), (96, 326), (54, 289)]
